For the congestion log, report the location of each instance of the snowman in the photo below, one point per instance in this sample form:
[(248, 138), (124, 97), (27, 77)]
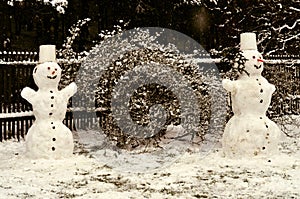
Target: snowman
[(48, 137), (250, 132)]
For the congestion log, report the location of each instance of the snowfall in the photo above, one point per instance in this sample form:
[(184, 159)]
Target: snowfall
[(97, 170)]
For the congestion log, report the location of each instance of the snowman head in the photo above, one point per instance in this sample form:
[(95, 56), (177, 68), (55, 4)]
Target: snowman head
[(254, 63), (47, 75)]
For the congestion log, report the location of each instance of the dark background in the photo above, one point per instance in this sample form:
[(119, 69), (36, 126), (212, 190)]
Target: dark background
[(29, 24)]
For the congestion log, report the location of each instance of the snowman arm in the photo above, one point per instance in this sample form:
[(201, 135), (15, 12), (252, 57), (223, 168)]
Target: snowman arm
[(273, 88), (28, 94), (70, 90), (228, 85)]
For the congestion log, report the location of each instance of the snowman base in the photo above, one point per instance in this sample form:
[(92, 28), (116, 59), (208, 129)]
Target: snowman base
[(44, 142), (250, 136)]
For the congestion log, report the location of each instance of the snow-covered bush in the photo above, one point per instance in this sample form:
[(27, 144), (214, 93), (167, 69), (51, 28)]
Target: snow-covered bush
[(67, 52), (109, 63), (71, 59), (148, 95), (232, 61)]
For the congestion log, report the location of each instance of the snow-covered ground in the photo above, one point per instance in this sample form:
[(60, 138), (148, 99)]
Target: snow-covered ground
[(190, 175)]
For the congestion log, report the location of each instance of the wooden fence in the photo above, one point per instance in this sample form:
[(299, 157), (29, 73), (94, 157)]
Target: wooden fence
[(16, 73), (284, 72)]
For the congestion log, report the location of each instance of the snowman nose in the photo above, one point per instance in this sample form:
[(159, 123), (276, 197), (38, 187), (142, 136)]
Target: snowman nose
[(260, 60), (53, 72)]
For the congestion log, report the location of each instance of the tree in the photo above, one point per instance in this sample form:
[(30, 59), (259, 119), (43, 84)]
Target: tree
[(276, 23)]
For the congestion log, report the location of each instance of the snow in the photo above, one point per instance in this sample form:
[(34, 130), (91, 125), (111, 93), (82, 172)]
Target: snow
[(192, 175)]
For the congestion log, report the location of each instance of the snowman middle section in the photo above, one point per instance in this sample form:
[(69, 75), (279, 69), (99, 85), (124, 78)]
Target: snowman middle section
[(49, 137)]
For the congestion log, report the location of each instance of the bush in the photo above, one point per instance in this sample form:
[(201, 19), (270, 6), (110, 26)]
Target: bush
[(148, 95)]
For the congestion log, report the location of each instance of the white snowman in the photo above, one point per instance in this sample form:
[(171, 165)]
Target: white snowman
[(48, 137), (250, 132)]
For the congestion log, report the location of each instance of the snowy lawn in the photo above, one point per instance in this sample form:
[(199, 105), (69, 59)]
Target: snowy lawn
[(193, 175)]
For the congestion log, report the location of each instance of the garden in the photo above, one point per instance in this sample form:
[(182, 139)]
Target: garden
[(158, 101)]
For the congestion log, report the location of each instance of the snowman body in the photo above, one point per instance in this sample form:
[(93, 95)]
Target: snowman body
[(250, 132), (48, 137)]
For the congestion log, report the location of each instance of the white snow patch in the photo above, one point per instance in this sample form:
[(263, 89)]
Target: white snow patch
[(192, 175)]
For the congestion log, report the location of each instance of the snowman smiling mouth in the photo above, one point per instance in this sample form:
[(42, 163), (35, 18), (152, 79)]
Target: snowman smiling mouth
[(52, 77), (257, 67)]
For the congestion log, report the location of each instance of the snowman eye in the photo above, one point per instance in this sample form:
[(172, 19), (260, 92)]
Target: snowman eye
[(253, 57), (56, 69), (48, 68)]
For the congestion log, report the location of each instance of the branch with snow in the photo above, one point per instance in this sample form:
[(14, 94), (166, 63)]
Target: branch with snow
[(198, 2), (67, 51), (295, 9), (59, 5), (287, 26), (105, 34), (283, 43)]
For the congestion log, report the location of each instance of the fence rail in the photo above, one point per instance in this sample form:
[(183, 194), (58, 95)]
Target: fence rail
[(16, 73), (25, 57)]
